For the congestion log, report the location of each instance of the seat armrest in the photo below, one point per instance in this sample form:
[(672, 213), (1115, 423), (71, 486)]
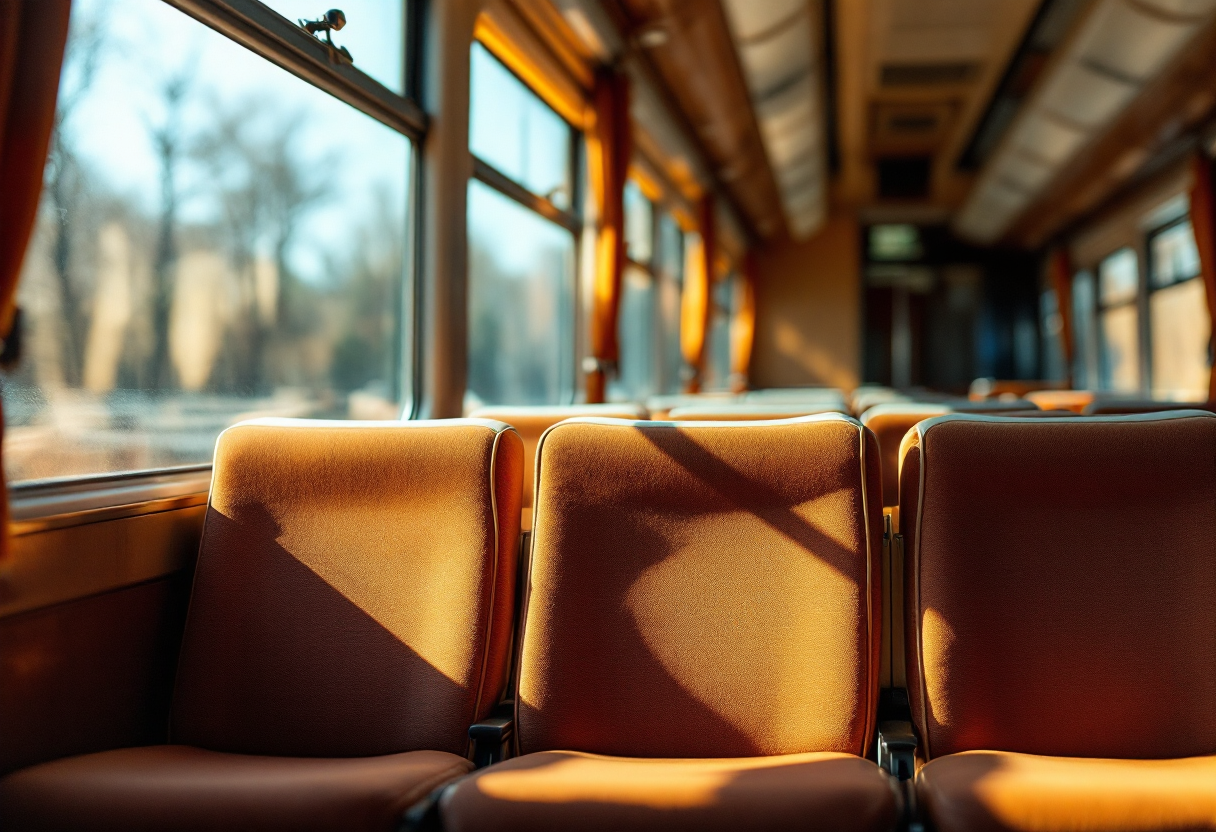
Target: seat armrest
[(897, 748), (491, 738)]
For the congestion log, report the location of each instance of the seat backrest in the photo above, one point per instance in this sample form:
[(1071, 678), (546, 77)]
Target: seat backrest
[(354, 589), (703, 590), (532, 422), (1060, 579), (748, 411), (1116, 407), (1074, 400)]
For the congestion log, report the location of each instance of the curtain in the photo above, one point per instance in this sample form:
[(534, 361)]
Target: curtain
[(609, 148), (743, 327), (695, 303), (32, 39), (1203, 221), (1059, 268)]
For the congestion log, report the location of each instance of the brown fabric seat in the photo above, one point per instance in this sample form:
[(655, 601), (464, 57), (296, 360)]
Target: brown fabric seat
[(561, 790), (353, 599), (184, 788), (703, 611), (988, 791), (1059, 584), (531, 423)]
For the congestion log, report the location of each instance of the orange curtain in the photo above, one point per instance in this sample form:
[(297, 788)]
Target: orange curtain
[(695, 303), (1059, 268), (609, 148), (32, 39), (743, 327), (1203, 221)]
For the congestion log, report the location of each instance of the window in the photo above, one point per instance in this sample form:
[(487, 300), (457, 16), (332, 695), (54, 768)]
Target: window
[(670, 278), (1118, 285), (1178, 317), (522, 242), (1051, 327), (637, 375), (1084, 313), (217, 239), (718, 348)]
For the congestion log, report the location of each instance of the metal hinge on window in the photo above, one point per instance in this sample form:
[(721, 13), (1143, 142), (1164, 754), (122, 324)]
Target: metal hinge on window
[(332, 21)]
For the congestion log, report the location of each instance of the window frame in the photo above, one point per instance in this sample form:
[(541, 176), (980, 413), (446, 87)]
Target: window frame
[(60, 502), (1149, 288), (571, 220), (1136, 302)]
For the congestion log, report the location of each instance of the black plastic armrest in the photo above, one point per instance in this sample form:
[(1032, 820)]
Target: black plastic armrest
[(897, 748), (490, 739)]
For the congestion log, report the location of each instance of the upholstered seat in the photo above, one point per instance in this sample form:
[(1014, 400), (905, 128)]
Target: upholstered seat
[(1061, 630), (989, 791), (560, 790), (350, 617), (183, 788), (700, 636)]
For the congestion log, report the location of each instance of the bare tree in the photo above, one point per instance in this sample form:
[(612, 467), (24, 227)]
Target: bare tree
[(65, 184), (171, 145)]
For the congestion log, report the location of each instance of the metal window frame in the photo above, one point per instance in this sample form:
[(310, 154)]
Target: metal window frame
[(1137, 302), (39, 505), (1150, 261)]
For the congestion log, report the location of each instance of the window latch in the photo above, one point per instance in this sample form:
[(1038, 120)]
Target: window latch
[(332, 21)]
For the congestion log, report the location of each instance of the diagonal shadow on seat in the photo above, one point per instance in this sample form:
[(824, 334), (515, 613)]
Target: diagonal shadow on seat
[(277, 661)]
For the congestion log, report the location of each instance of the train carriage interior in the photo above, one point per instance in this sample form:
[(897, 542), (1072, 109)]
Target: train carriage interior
[(513, 415)]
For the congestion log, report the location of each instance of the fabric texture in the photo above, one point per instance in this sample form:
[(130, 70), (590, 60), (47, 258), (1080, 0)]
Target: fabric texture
[(562, 790), (703, 591), (986, 791), (1059, 584), (182, 788), (354, 588)]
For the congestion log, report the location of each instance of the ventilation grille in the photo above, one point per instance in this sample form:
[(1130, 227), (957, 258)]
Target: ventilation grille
[(928, 75)]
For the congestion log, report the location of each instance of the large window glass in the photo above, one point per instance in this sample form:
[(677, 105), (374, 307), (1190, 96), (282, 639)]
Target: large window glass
[(1084, 313), (717, 359), (522, 238), (670, 276), (520, 284), (1051, 329), (637, 373), (515, 132), (1118, 284), (217, 239), (1178, 316)]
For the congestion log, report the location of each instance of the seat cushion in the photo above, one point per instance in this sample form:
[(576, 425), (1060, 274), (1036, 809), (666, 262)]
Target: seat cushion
[(562, 790), (183, 788), (989, 790)]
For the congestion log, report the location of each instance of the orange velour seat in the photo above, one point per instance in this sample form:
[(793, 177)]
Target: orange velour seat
[(350, 617), (530, 422), (700, 639), (1061, 629)]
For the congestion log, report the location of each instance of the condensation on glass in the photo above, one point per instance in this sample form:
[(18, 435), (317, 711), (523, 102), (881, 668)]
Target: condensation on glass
[(216, 240)]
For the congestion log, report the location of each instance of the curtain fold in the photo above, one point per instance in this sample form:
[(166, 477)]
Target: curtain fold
[(743, 326), (695, 302), (32, 40), (1059, 269), (609, 149), (1203, 221)]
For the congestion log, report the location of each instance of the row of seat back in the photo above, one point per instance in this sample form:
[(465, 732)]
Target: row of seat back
[(702, 591), (530, 422), (1059, 620), (750, 411), (891, 421), (1060, 580), (353, 598)]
